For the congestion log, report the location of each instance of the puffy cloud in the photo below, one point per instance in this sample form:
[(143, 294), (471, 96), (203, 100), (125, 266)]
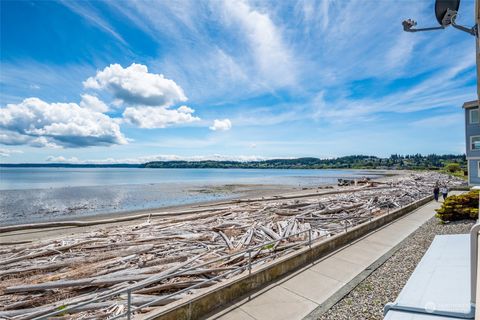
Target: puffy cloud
[(38, 123), (62, 159), (148, 99), (93, 103), (221, 125), (158, 117), (134, 85)]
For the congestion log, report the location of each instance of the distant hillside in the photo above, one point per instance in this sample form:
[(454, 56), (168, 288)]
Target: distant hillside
[(416, 161)]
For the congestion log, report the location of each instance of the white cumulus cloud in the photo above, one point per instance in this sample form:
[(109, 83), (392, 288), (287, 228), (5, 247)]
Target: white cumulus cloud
[(93, 103), (221, 125), (134, 85), (158, 117), (62, 159), (37, 123)]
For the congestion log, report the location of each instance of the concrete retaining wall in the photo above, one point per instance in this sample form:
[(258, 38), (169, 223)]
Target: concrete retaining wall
[(229, 290)]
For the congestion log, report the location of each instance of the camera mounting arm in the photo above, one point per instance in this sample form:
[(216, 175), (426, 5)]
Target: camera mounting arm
[(448, 19), (451, 16), (409, 24)]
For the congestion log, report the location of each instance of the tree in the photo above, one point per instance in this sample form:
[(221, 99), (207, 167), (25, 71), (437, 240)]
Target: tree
[(452, 167)]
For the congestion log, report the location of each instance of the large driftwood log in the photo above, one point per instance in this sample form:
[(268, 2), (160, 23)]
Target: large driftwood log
[(175, 285), (48, 267), (45, 225), (31, 313), (94, 282), (48, 251)]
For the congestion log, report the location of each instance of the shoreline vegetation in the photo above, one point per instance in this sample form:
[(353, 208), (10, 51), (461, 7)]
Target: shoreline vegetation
[(395, 161), (78, 262)]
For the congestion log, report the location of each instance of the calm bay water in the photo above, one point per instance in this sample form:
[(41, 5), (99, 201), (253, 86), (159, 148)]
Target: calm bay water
[(45, 194)]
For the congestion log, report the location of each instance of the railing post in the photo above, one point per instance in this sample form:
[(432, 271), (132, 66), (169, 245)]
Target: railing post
[(473, 261), (249, 261), (129, 303), (310, 238)]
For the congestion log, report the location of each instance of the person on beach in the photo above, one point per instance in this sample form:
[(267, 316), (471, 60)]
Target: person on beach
[(436, 191), (444, 191)]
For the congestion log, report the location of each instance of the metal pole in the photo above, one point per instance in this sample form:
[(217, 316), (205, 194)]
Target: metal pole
[(249, 262), (129, 303), (473, 261), (310, 238)]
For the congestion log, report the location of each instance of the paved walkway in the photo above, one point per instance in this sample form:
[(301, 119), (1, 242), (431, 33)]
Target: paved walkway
[(309, 289)]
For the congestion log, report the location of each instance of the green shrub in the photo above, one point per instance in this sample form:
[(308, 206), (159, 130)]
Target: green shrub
[(464, 206), (452, 167)]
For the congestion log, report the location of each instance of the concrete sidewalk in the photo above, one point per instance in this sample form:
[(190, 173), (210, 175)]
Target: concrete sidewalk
[(314, 288)]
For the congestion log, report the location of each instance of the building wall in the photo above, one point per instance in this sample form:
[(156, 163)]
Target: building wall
[(471, 130), (473, 178)]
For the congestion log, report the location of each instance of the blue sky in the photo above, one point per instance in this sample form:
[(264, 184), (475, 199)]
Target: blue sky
[(132, 81)]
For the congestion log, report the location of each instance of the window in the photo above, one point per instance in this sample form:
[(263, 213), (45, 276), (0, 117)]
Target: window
[(478, 169), (475, 143), (474, 116)]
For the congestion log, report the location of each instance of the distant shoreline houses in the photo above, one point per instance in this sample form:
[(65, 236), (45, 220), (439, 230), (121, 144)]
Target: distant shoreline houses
[(472, 139)]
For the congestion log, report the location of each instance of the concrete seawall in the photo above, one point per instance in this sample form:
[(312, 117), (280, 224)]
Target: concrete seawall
[(227, 291)]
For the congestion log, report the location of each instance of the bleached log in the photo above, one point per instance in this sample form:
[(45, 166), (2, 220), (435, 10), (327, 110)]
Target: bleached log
[(95, 282), (272, 234), (48, 251), (31, 313), (141, 299), (48, 267), (47, 225), (227, 240), (163, 261), (175, 285)]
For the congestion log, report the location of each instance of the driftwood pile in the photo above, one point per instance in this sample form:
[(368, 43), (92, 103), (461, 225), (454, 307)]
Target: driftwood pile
[(160, 257)]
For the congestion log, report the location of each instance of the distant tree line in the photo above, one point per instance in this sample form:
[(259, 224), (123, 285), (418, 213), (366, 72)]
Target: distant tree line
[(395, 161)]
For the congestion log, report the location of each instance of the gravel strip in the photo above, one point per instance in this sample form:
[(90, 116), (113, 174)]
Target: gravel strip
[(367, 300)]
